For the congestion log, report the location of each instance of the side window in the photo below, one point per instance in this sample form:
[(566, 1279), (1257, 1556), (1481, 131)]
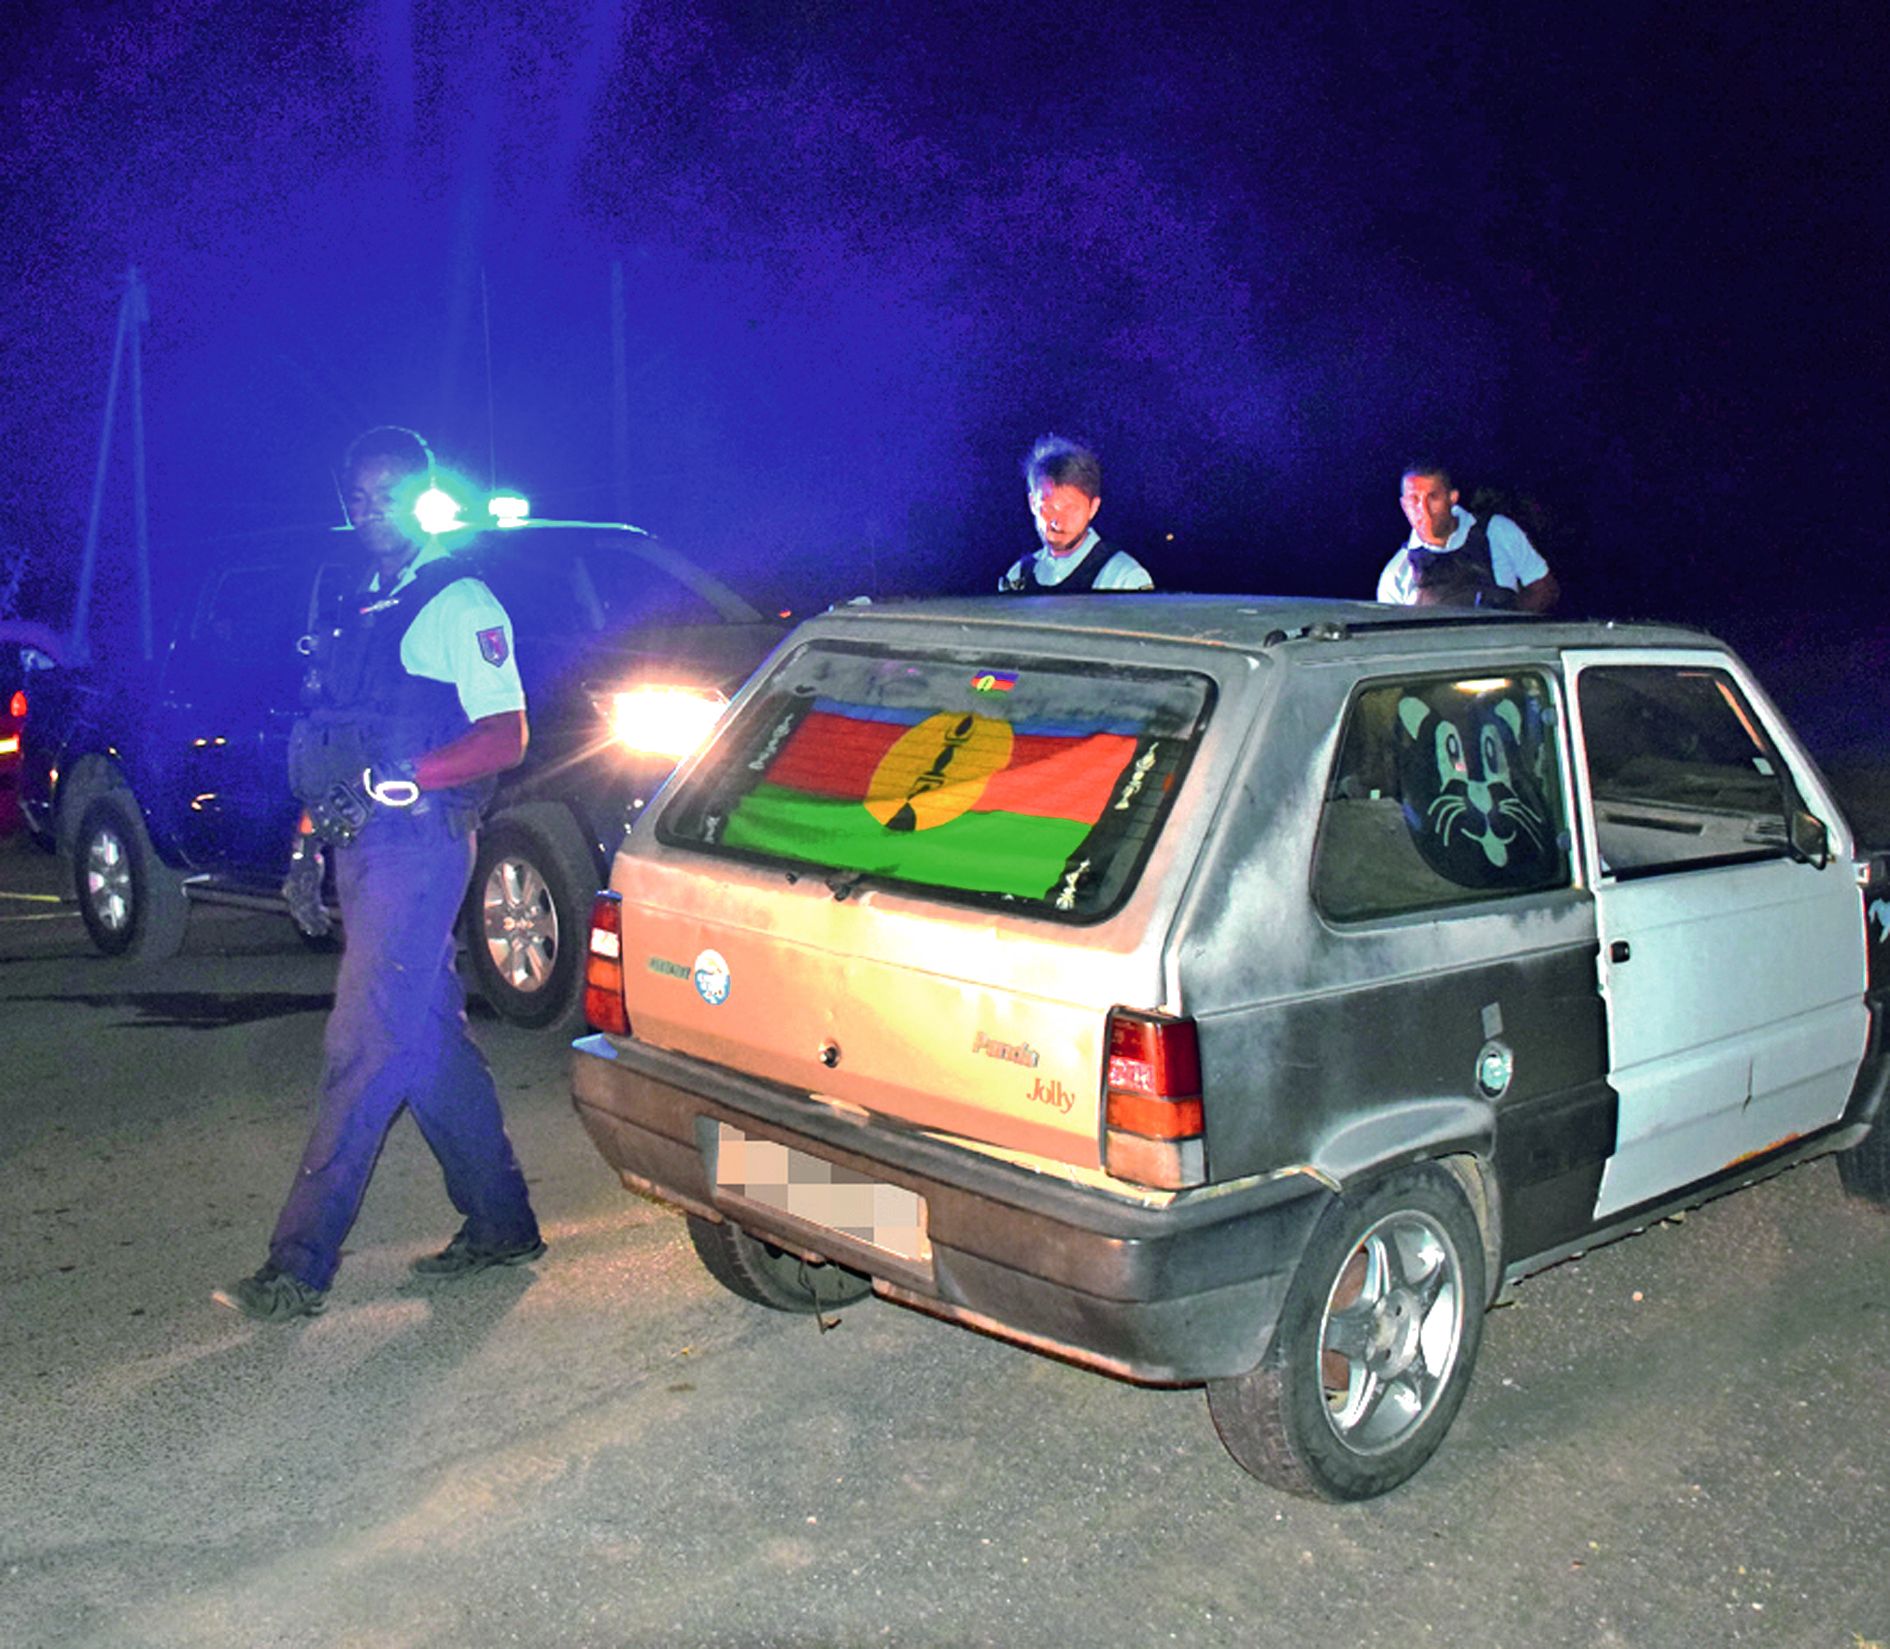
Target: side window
[(542, 600), (1444, 792), (334, 584), (1681, 775), (633, 590), (247, 625)]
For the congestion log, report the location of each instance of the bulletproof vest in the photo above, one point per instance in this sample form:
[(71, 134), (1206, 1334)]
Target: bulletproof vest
[(1463, 577), (364, 703), (1080, 582)]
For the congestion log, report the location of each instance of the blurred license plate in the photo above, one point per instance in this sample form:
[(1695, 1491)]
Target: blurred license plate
[(821, 1193)]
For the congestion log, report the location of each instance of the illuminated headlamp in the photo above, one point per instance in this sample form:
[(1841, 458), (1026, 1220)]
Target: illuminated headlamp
[(661, 718), (508, 509)]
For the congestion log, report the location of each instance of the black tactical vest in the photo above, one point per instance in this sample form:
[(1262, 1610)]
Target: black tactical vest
[(1463, 577), (1080, 582), (363, 699)]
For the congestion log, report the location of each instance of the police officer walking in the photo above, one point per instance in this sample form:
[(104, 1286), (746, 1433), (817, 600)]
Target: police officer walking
[(417, 707)]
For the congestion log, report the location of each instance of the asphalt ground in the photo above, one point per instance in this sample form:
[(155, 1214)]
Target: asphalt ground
[(1678, 1440)]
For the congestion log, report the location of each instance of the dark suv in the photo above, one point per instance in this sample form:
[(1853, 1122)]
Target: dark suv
[(167, 782)]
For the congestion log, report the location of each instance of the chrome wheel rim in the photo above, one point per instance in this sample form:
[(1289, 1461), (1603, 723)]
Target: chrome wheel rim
[(1391, 1332), (520, 924), (108, 881)]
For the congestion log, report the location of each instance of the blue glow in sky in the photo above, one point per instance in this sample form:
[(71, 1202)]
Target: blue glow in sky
[(796, 285)]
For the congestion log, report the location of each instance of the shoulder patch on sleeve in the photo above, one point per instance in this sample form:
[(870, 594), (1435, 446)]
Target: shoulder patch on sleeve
[(492, 646)]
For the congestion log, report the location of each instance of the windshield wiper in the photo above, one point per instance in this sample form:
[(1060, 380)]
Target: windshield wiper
[(843, 883)]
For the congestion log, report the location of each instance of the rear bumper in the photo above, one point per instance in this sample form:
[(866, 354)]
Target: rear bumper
[(1165, 1295)]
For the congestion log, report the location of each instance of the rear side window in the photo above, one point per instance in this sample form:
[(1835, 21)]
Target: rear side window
[(1444, 792), (1681, 775), (981, 779)]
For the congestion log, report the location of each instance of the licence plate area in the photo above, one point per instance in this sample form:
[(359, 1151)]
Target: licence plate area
[(821, 1193)]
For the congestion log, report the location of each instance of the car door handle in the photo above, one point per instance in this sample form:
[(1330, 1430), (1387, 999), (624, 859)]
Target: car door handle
[(1619, 951)]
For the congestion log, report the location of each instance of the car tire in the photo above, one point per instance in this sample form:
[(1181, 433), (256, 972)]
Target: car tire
[(1864, 1170), (528, 917), (1373, 1351), (770, 1276), (131, 902)]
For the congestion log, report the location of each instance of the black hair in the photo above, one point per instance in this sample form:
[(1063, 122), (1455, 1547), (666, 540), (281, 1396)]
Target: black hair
[(1423, 466), (1062, 463), (403, 448)]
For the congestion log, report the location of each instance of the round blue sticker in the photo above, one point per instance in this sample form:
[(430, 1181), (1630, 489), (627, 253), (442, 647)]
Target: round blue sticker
[(712, 978)]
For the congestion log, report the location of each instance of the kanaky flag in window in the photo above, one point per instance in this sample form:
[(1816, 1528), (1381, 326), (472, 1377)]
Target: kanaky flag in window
[(949, 798)]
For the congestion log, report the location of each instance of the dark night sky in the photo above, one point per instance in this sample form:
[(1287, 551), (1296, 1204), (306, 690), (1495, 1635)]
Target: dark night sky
[(1626, 263)]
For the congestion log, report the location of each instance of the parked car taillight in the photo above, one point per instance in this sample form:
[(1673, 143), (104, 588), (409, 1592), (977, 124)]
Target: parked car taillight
[(660, 718), (16, 706), (603, 967), (1153, 1121)]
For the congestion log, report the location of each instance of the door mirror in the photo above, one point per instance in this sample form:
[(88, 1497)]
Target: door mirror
[(1811, 841)]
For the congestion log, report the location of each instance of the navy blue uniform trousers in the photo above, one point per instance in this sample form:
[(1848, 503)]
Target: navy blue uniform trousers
[(397, 1037)]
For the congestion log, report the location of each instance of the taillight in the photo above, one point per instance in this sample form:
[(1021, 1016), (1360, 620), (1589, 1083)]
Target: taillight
[(1152, 1116), (16, 706), (603, 967)]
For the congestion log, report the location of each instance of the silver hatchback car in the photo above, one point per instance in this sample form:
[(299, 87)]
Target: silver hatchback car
[(1240, 992)]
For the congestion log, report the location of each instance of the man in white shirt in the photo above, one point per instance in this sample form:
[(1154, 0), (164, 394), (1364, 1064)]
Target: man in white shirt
[(1452, 558), (1064, 482)]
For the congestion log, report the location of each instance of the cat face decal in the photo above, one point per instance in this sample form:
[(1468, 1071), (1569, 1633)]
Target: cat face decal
[(1470, 771)]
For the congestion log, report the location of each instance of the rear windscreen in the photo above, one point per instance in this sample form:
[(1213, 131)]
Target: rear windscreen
[(1009, 780)]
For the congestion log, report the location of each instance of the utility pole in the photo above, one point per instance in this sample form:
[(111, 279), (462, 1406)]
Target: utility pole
[(619, 394), (134, 311), (492, 420)]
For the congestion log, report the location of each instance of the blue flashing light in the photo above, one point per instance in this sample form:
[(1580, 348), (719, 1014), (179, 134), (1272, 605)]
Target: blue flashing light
[(437, 511), (508, 509)]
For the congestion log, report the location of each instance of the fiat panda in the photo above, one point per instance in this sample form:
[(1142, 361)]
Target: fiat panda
[(1232, 992)]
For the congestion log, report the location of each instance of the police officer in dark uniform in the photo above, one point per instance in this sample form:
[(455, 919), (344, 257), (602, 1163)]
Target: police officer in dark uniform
[(416, 707)]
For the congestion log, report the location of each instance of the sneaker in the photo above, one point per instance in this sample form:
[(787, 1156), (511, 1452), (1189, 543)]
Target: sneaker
[(462, 1257), (272, 1296)]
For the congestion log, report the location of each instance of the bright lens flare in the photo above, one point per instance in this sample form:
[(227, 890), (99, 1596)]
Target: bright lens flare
[(437, 511), (663, 720)]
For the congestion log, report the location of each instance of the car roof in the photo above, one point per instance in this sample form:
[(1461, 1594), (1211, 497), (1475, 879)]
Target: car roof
[(1268, 623)]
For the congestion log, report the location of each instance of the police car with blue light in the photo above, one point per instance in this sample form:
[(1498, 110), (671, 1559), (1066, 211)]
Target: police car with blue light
[(1236, 992), (167, 783)]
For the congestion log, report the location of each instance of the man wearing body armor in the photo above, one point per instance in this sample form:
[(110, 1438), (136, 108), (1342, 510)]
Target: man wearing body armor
[(1454, 559), (414, 707), (1064, 483)]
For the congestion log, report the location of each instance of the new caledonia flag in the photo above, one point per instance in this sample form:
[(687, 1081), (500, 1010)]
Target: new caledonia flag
[(946, 798)]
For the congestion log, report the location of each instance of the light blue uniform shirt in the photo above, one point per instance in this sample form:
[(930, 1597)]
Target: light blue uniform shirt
[(464, 637)]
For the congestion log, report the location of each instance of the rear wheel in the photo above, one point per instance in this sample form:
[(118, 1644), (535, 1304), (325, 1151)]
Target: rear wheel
[(1864, 1170), (132, 903), (528, 917), (771, 1276), (1373, 1352)]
